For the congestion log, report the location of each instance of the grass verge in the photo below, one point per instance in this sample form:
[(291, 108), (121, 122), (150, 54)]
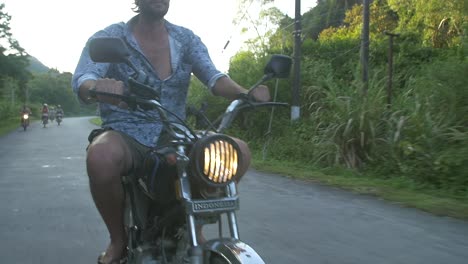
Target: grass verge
[(9, 125), (402, 191), (96, 120)]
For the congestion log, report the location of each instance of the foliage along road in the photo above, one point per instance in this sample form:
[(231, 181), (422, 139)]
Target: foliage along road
[(48, 215)]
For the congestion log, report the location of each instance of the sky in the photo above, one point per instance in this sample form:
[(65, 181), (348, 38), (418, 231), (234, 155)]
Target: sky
[(55, 31)]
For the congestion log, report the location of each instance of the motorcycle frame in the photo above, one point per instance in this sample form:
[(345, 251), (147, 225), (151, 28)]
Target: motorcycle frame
[(230, 248)]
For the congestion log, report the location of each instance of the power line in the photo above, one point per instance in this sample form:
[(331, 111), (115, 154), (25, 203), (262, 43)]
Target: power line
[(237, 24), (346, 52)]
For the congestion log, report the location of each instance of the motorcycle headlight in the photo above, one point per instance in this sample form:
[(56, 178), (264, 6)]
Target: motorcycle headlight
[(216, 160), (25, 116)]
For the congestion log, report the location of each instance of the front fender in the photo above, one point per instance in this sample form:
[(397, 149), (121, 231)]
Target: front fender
[(232, 250)]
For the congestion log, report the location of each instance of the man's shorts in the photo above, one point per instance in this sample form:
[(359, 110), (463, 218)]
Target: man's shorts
[(139, 151), (148, 166)]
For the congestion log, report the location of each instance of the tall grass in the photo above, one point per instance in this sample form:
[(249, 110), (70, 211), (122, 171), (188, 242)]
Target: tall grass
[(8, 111), (433, 146), (423, 136)]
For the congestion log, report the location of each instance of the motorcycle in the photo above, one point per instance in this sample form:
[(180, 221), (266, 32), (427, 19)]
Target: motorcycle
[(51, 116), (45, 119), (58, 118), (25, 121), (197, 174)]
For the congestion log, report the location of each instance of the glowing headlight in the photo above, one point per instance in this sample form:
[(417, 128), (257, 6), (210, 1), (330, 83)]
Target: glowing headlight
[(25, 116), (216, 159)]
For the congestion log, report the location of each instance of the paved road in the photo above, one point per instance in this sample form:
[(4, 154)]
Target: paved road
[(47, 215)]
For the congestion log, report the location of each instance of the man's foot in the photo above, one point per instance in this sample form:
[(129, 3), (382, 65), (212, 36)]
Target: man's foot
[(113, 255)]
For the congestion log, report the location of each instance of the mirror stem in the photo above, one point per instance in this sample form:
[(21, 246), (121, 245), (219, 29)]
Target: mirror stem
[(140, 75), (265, 78)]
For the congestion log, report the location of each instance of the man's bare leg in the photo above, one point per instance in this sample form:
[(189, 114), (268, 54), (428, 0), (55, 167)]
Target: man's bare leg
[(108, 158)]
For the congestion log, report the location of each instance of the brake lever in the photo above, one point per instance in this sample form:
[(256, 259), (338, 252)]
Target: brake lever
[(94, 94), (129, 99), (247, 98)]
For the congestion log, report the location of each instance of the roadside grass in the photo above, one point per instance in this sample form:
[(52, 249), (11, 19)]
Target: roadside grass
[(401, 191), (96, 120), (9, 125)]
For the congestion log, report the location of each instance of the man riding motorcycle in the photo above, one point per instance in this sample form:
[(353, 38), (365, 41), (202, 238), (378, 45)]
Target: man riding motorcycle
[(170, 53), (51, 114), (25, 113), (59, 111), (59, 114), (45, 114)]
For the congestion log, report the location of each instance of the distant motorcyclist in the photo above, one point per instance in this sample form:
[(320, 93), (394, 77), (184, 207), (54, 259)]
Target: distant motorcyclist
[(59, 114), (51, 114), (25, 112), (45, 114), (59, 111)]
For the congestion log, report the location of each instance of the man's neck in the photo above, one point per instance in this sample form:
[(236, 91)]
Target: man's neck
[(148, 25)]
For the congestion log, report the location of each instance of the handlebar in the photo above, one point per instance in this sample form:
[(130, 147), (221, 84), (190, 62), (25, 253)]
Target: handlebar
[(224, 120), (131, 100), (238, 105)]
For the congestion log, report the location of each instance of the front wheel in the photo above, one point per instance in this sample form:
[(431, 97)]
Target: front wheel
[(217, 259), (230, 250)]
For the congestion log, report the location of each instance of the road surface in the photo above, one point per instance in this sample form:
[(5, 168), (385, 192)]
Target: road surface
[(47, 215)]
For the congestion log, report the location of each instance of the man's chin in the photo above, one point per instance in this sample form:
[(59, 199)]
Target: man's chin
[(156, 14)]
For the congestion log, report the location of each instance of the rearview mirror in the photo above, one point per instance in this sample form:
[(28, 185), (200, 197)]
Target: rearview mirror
[(279, 66), (111, 50)]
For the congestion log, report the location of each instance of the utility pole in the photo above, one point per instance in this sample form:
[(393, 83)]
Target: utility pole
[(12, 95), (390, 66), (295, 108), (365, 47), (27, 94)]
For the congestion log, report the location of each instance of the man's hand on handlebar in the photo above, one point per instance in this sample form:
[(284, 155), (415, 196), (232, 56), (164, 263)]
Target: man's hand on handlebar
[(260, 94), (109, 86)]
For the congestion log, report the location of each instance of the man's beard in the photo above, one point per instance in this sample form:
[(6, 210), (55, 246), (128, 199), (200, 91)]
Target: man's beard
[(156, 13)]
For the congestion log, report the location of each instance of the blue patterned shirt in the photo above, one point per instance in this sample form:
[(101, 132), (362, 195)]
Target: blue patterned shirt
[(188, 55)]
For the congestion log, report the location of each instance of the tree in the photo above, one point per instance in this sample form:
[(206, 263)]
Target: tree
[(439, 22), (327, 13), (54, 88), (13, 58), (381, 16)]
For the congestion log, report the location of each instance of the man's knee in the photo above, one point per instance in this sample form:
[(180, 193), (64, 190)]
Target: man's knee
[(107, 157)]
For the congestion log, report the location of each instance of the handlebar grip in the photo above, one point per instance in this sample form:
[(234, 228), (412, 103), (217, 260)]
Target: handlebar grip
[(131, 100), (93, 94)]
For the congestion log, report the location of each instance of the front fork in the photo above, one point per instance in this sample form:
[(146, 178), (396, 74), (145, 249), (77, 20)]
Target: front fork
[(185, 194)]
